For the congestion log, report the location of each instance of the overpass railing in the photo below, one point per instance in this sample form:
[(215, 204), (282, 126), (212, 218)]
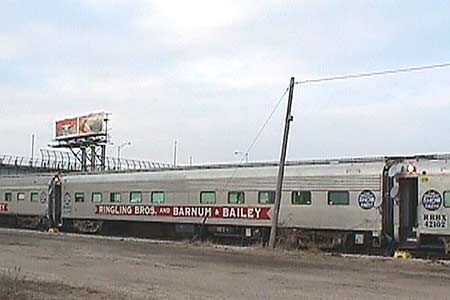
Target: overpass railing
[(63, 161)]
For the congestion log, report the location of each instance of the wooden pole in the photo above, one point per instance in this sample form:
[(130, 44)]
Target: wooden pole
[(276, 207)]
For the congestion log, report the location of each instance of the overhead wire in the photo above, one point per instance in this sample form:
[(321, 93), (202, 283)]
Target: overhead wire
[(255, 139), (324, 79), (373, 74)]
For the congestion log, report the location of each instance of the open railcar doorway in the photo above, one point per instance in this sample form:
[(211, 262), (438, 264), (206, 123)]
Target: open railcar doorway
[(408, 201), (55, 202)]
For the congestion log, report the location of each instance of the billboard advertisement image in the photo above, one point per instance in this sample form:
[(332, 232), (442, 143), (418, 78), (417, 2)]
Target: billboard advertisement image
[(67, 128), (91, 124)]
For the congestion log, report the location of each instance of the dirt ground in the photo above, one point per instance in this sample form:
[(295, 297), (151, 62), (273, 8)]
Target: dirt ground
[(48, 266), (15, 286)]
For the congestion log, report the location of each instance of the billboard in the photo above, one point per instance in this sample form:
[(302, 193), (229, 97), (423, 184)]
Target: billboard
[(91, 124), (67, 128)]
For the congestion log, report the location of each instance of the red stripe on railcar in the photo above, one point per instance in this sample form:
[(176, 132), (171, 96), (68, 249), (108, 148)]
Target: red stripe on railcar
[(4, 207), (214, 212)]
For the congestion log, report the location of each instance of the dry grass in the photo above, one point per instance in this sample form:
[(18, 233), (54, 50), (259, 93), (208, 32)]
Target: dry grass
[(12, 284), (15, 286)]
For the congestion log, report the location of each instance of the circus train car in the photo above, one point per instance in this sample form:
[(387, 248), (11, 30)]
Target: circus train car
[(417, 212), (24, 200), (332, 203)]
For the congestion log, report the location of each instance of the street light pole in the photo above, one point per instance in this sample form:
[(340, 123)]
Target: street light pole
[(118, 151), (245, 155)]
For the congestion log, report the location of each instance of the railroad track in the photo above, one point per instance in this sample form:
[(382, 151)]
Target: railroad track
[(421, 259)]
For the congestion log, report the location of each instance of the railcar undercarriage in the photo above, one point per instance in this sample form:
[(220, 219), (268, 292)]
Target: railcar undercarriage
[(331, 240), (31, 222), (26, 222), (289, 238)]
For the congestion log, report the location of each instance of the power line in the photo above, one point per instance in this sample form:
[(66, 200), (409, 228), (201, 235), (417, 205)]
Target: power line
[(373, 74), (265, 123), (332, 78), (255, 139)]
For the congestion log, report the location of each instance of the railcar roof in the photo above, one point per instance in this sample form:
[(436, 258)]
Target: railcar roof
[(333, 161), (371, 165), (224, 166), (27, 175)]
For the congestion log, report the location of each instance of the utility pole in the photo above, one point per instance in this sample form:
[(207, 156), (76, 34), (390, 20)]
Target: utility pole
[(32, 149), (276, 206), (175, 154)]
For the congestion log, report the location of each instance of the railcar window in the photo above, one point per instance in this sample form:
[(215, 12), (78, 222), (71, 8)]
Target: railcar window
[(135, 197), (8, 197), (266, 197), (236, 198), (301, 198), (447, 198), (338, 198), (115, 197), (20, 196), (208, 197), (79, 197), (97, 197), (158, 197), (34, 197)]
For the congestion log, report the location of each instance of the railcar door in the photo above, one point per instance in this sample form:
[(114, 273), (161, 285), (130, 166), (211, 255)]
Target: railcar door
[(55, 202), (408, 201)]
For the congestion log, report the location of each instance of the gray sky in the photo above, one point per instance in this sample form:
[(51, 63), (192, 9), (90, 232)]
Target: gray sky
[(208, 73)]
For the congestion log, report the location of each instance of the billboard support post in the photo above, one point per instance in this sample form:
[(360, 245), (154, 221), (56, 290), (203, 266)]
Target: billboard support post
[(83, 158), (93, 158), (103, 157)]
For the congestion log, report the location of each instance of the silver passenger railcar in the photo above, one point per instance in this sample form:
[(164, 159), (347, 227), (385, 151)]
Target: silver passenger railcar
[(23, 199), (323, 202)]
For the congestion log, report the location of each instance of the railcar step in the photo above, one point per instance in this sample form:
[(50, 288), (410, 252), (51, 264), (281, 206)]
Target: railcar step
[(53, 230), (402, 254)]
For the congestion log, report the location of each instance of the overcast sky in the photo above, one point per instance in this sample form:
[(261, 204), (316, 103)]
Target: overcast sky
[(208, 73)]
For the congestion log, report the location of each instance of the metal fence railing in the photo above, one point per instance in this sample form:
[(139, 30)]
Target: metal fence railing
[(65, 161)]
